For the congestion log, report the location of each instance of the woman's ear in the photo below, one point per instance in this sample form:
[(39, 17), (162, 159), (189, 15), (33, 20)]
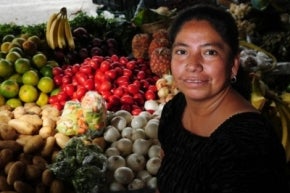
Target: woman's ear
[(236, 65)]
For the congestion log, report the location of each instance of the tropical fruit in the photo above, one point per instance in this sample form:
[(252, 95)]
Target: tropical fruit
[(42, 99), (30, 77), (12, 56), (16, 77), (45, 84), (22, 65), (28, 93), (39, 60), (6, 68), (9, 88), (14, 102), (2, 100), (5, 47)]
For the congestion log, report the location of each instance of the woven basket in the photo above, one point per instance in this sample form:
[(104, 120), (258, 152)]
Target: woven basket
[(154, 26)]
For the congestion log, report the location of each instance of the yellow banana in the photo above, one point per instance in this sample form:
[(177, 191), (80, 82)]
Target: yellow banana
[(48, 27), (53, 32), (68, 34), (61, 33), (258, 98)]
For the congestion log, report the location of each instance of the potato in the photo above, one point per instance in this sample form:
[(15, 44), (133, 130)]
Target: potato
[(40, 188), (22, 127), (47, 177), (39, 161), (33, 145), (6, 155), (5, 116), (33, 172), (57, 186), (8, 192), (34, 119), (4, 186), (23, 139), (10, 144), (100, 141), (22, 187), (61, 139), (7, 132), (32, 108), (25, 158), (48, 147), (15, 172), (8, 166), (48, 121)]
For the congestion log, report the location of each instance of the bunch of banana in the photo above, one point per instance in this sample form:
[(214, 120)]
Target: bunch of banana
[(58, 31)]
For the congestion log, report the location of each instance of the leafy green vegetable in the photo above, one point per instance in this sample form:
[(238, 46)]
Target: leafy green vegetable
[(81, 165)]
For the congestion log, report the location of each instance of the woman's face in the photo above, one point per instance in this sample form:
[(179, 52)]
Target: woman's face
[(200, 61)]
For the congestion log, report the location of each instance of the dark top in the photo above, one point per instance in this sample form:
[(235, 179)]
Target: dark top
[(243, 155)]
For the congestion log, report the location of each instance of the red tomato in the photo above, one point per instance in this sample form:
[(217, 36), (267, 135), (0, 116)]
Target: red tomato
[(57, 71), (80, 92), (81, 77), (66, 79), (144, 84), (139, 98), (115, 64), (126, 107), (122, 80), (127, 99), (86, 69), (127, 72), (141, 75), (119, 91), (68, 71), (119, 71), (75, 68), (62, 96), (114, 100), (132, 89), (53, 99), (153, 88), (114, 58), (136, 111), (131, 64), (105, 86), (111, 74), (150, 95), (57, 79), (105, 66), (69, 89), (123, 60), (89, 84), (106, 94), (100, 76)]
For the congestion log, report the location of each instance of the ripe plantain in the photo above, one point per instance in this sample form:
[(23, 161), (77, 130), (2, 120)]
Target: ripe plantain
[(53, 32)]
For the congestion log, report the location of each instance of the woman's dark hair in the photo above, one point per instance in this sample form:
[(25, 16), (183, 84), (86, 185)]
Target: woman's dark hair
[(221, 20), (225, 25)]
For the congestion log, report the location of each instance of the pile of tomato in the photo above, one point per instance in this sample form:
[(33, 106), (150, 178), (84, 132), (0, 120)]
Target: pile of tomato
[(125, 83)]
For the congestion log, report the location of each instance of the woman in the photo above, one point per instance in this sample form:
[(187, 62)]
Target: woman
[(213, 140)]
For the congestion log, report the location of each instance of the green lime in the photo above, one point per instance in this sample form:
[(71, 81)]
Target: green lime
[(46, 71), (14, 102), (9, 88), (6, 68)]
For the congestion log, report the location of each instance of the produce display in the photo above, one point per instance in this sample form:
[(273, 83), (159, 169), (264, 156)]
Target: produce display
[(79, 113)]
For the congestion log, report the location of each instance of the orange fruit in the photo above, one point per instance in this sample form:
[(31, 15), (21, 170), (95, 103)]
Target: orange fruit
[(39, 60), (46, 70), (8, 38), (28, 93), (18, 40), (42, 99), (9, 88), (16, 77), (12, 56), (6, 68), (45, 84), (16, 49), (22, 65), (35, 39), (5, 47), (14, 102), (30, 77)]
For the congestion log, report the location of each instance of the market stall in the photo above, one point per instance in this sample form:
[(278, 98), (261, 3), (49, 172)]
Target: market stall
[(81, 96)]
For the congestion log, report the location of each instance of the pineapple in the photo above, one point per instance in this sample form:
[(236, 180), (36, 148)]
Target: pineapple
[(140, 45), (157, 43), (160, 60)]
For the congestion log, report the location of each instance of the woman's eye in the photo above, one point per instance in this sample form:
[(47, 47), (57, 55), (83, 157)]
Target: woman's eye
[(180, 52), (211, 52)]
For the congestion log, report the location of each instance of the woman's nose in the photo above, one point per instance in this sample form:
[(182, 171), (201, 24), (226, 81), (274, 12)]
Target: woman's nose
[(194, 64)]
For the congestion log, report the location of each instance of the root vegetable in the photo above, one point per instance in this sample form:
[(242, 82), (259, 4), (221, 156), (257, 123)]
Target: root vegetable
[(15, 172), (123, 175), (10, 144), (152, 183), (136, 184), (6, 155), (7, 132), (22, 187), (4, 186), (138, 134), (33, 119), (22, 139), (119, 122), (154, 151), (115, 187), (141, 146), (61, 139), (48, 146), (34, 144), (151, 105), (112, 151), (32, 172), (47, 177), (22, 126), (144, 175), (46, 131), (111, 134), (123, 113), (138, 122), (115, 162), (127, 132), (124, 145), (136, 162), (151, 130), (153, 165), (57, 186)]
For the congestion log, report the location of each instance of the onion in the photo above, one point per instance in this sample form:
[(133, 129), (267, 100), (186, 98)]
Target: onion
[(151, 105), (111, 134), (136, 162), (123, 175), (138, 122), (115, 162), (111, 151), (141, 146), (138, 134), (152, 183), (115, 187), (151, 129), (124, 145), (123, 113), (127, 132), (154, 151), (136, 184), (153, 165), (144, 175), (163, 92), (119, 122)]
